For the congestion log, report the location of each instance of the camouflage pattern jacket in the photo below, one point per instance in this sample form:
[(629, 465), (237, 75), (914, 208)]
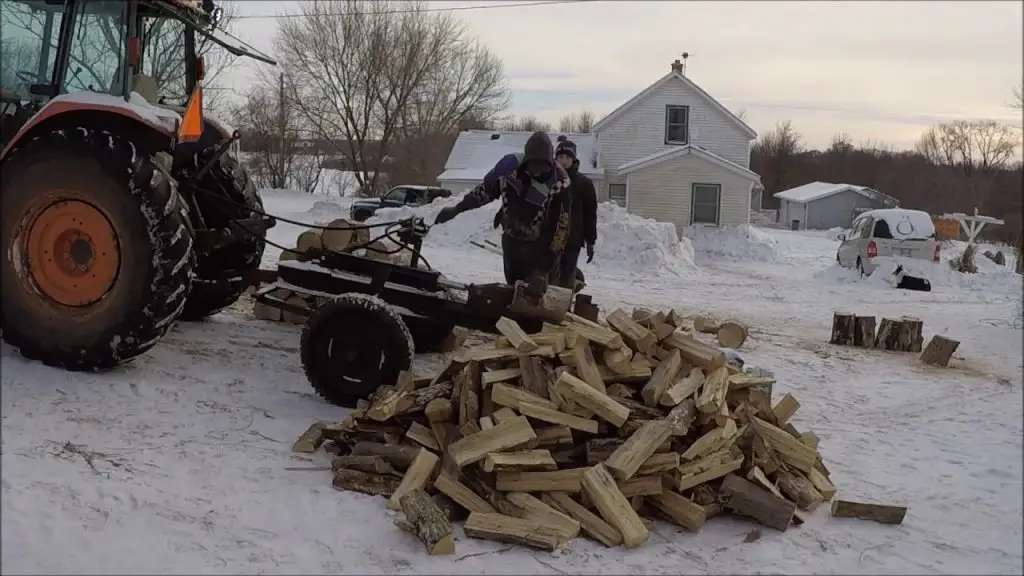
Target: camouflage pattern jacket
[(531, 212)]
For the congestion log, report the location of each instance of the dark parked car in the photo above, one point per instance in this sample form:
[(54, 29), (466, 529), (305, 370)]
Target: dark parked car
[(397, 196)]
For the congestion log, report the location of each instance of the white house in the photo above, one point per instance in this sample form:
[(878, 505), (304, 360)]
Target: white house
[(671, 153), (476, 151)]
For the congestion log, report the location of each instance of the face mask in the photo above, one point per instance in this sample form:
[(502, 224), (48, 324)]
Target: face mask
[(538, 170)]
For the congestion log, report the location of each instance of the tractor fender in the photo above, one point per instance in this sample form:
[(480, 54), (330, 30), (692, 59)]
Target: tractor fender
[(150, 127)]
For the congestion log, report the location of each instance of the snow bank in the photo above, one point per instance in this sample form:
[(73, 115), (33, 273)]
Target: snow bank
[(624, 241), (743, 243), (990, 277)]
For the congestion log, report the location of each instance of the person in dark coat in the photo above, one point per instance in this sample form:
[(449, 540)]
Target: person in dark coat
[(535, 211), (583, 224)]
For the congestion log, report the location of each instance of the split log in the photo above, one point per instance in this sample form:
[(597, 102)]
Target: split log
[(679, 509), (602, 491), (508, 396), (534, 375), (597, 402), (659, 462), (710, 467), (636, 336), (512, 530), (791, 450), (799, 489), (751, 500), (864, 331), (431, 524), (939, 351), (538, 511), (843, 329), (339, 238), (876, 512), (909, 338), (732, 334), (591, 524), (664, 376), (641, 486), (506, 435), (585, 365), (311, 439), (617, 359), (785, 409), (309, 241), (416, 477), (462, 495), (545, 414), (554, 437), (822, 484), (683, 388), (682, 416), (517, 337), (712, 393), (888, 334), (628, 458), (555, 481), (696, 352), (365, 483), (522, 461), (469, 386)]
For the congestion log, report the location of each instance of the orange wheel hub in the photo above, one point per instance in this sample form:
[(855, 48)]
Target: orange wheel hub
[(73, 253)]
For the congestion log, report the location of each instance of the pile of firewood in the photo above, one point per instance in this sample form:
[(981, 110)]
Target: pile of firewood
[(340, 236), (583, 429)]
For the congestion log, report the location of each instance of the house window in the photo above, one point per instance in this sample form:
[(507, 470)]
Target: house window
[(677, 124), (705, 204), (617, 194)]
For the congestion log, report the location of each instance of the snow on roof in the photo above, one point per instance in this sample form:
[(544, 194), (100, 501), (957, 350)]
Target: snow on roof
[(679, 151), (477, 151), (818, 190)]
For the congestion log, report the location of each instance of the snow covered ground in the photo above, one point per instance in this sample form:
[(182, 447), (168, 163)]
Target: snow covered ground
[(177, 463)]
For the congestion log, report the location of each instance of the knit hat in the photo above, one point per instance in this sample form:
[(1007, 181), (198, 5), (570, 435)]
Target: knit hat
[(566, 147), (538, 147)]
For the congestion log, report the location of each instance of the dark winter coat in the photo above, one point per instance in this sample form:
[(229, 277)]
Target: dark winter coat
[(583, 225), (532, 212)]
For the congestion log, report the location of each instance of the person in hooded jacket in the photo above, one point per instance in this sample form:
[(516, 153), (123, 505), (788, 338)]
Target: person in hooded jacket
[(535, 211), (583, 223)]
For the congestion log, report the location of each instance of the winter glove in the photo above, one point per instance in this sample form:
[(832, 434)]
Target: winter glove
[(536, 286), (446, 214), (590, 253)]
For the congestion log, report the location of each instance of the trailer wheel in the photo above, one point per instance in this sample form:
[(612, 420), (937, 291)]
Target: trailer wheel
[(353, 344), (427, 335)]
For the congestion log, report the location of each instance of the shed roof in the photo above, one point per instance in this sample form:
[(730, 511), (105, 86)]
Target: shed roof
[(818, 190), (477, 151)]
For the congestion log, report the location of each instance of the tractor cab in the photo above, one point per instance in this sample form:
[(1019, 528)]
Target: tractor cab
[(122, 208), (144, 51)]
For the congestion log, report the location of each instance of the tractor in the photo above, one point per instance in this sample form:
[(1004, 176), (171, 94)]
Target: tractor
[(122, 208)]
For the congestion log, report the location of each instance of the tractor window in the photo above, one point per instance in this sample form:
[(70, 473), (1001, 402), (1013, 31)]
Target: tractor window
[(163, 59), (97, 48), (28, 46)]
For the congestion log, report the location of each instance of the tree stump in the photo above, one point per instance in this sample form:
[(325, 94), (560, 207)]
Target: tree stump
[(888, 334), (939, 351), (842, 329), (864, 331), (339, 238), (909, 338)]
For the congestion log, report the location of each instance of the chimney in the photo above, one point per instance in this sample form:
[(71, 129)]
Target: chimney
[(677, 66)]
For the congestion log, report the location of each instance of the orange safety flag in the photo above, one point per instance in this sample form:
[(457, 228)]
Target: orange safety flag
[(191, 126)]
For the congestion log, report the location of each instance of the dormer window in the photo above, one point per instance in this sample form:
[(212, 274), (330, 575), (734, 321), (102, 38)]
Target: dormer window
[(677, 125)]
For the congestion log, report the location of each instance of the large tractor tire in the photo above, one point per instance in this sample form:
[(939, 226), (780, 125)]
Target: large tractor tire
[(220, 277), (98, 253)]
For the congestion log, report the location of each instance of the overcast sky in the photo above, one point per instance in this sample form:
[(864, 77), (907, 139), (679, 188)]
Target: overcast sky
[(880, 71)]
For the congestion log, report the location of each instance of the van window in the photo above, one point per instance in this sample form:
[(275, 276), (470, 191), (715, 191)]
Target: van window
[(882, 230)]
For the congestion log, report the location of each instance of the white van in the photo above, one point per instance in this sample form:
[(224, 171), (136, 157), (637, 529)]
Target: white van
[(887, 232)]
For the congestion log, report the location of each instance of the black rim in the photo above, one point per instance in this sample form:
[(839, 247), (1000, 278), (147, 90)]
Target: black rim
[(354, 358)]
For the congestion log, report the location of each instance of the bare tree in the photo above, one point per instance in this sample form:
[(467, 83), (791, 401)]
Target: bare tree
[(777, 151), (527, 123), (275, 134), (384, 72), (1018, 97), (841, 144), (16, 57), (969, 146), (580, 123)]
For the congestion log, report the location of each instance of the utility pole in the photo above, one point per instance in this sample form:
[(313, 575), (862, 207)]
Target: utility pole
[(281, 131)]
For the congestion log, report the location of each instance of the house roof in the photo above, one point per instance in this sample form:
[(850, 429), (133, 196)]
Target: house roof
[(477, 151), (680, 151), (817, 190), (676, 77)]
